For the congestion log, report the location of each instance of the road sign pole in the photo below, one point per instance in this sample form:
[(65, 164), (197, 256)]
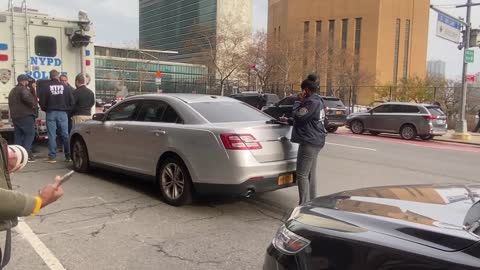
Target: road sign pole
[(461, 129)]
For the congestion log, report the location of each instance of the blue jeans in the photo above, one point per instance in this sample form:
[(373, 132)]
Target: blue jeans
[(57, 120), (307, 172), (25, 132)]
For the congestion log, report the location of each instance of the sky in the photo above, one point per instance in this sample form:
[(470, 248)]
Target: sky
[(116, 23)]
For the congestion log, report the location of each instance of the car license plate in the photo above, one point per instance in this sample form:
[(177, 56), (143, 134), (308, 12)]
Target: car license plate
[(285, 179), (441, 122), (339, 112)]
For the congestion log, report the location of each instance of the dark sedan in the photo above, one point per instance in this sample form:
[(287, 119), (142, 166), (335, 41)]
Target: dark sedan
[(336, 113), (422, 227)]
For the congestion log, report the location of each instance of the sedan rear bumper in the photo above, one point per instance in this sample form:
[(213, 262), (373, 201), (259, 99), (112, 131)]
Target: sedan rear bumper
[(246, 188)]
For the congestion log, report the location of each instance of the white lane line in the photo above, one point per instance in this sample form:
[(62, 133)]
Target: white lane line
[(47, 256), (354, 147)]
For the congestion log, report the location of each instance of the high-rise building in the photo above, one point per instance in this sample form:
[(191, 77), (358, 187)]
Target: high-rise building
[(172, 24), (436, 68), (381, 41)]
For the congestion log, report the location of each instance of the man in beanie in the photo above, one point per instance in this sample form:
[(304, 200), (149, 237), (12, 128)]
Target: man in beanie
[(22, 111)]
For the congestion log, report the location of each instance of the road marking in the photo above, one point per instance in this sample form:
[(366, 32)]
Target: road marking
[(354, 147), (47, 256)]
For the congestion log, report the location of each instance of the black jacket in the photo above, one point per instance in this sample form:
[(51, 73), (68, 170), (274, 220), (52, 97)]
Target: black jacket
[(84, 101), (308, 122), (21, 102), (55, 96)]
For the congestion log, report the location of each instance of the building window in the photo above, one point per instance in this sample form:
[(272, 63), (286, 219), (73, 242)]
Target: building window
[(331, 42), (358, 42), (318, 45), (396, 52), (407, 49), (344, 33), (306, 30)]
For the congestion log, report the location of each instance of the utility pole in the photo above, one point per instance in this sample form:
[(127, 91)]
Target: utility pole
[(461, 129)]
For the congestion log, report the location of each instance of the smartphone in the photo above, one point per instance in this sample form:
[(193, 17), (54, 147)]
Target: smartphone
[(66, 177)]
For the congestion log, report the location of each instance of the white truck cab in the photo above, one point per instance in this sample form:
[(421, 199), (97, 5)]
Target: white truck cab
[(34, 44)]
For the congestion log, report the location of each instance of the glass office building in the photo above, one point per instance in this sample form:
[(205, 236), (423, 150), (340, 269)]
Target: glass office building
[(122, 72), (170, 25)]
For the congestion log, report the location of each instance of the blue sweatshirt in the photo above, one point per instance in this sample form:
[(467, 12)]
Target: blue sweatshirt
[(309, 122)]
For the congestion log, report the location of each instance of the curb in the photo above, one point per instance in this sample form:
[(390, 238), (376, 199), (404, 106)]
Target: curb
[(460, 142)]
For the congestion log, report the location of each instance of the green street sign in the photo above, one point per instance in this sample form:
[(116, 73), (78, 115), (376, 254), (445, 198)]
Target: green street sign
[(469, 56)]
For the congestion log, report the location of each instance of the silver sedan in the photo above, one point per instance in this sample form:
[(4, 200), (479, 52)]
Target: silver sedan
[(189, 144)]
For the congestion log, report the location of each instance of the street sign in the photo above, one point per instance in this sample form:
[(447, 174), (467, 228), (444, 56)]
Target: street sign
[(158, 78), (470, 56), (449, 28)]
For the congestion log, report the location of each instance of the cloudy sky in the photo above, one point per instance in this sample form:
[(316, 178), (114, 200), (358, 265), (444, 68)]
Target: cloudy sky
[(116, 23)]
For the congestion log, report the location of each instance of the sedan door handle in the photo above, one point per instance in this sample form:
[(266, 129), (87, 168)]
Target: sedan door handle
[(119, 129), (159, 132)]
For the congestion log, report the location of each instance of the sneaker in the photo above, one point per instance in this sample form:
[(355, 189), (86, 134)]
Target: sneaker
[(32, 159), (68, 160), (50, 160)]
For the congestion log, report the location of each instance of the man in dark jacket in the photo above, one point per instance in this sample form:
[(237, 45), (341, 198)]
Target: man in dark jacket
[(22, 110), (308, 131), (84, 101), (56, 100)]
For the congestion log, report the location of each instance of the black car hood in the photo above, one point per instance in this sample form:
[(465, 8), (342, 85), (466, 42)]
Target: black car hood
[(431, 215)]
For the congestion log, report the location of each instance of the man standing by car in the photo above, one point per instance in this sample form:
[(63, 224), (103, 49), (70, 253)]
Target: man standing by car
[(84, 101), (22, 110), (308, 131), (56, 101)]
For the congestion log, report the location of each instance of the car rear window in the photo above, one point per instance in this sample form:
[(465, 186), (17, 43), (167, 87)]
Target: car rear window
[(436, 111), (272, 98), (227, 112), (333, 103)]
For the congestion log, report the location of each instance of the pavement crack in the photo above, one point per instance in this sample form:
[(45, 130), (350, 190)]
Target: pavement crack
[(161, 249), (97, 232), (219, 214)]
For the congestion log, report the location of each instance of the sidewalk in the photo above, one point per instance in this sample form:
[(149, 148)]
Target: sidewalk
[(475, 140)]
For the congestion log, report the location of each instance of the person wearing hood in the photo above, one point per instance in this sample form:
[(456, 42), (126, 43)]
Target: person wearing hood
[(309, 132)]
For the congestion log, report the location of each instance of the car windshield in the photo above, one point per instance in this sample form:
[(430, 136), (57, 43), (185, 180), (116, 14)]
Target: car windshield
[(436, 111), (227, 112), (333, 103)]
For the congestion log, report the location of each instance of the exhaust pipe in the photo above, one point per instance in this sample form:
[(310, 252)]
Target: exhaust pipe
[(249, 193)]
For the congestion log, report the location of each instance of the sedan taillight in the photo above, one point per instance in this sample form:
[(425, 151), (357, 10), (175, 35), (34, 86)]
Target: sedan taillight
[(288, 242), (240, 142)]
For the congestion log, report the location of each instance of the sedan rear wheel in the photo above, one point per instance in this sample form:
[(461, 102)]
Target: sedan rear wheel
[(175, 182), (357, 127), (80, 159), (332, 129), (408, 132)]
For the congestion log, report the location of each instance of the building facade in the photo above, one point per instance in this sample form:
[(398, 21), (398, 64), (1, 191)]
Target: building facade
[(122, 72), (174, 25), (437, 68), (376, 41)]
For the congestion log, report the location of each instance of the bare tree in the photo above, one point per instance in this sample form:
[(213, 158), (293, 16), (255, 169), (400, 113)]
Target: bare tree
[(223, 52)]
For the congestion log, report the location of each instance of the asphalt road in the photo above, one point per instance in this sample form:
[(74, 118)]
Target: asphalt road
[(111, 221)]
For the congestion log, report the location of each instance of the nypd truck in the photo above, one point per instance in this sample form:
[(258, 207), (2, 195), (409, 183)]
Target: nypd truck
[(33, 43)]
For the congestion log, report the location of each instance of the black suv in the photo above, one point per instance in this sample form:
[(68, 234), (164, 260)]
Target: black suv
[(336, 112), (257, 100)]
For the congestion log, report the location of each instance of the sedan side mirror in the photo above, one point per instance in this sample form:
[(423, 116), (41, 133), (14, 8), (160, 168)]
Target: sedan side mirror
[(99, 117)]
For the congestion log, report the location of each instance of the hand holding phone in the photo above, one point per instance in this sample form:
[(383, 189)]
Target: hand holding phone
[(66, 177)]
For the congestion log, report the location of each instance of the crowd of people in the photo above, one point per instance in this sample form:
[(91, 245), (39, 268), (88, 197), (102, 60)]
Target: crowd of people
[(63, 104)]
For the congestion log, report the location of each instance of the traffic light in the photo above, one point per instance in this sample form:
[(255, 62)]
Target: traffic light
[(475, 38)]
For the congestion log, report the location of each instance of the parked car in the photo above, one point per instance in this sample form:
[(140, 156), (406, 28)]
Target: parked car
[(189, 144), (419, 227), (407, 119), (336, 112), (257, 100)]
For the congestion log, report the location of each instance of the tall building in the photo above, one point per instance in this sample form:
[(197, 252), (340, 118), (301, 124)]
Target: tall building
[(436, 68), (172, 25), (385, 40)]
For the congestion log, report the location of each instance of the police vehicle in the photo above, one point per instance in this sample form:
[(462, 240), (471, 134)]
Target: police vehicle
[(33, 43)]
